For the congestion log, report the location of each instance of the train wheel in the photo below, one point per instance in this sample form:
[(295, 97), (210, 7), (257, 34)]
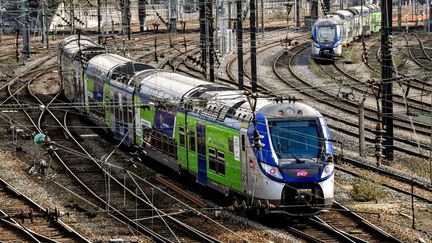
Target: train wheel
[(266, 207), (243, 207), (236, 206), (258, 207)]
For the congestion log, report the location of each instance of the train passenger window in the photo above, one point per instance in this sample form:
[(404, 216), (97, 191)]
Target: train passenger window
[(130, 114), (231, 145), (213, 163), (221, 156), (221, 162), (192, 141), (212, 152), (243, 143), (217, 161), (112, 104), (182, 136)]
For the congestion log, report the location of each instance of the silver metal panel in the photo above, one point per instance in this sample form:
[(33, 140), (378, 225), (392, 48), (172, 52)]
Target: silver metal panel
[(108, 61)]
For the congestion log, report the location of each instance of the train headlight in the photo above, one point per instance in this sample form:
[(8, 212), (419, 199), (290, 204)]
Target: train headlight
[(327, 170), (272, 170)]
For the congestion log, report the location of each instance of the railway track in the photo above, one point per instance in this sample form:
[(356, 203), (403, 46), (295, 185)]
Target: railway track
[(38, 123), (317, 230), (30, 221), (303, 87), (92, 174), (395, 176), (407, 80), (363, 90), (425, 52), (34, 121), (339, 224), (97, 176), (415, 54), (414, 105), (353, 226)]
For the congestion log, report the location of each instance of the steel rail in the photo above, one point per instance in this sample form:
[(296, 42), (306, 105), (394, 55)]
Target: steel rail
[(423, 47), (351, 111), (142, 227), (413, 57), (34, 204)]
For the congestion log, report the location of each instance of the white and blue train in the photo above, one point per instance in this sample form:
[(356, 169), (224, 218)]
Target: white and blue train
[(336, 30), (205, 130)]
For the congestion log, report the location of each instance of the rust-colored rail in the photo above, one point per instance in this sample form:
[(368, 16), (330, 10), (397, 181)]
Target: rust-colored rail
[(185, 194)]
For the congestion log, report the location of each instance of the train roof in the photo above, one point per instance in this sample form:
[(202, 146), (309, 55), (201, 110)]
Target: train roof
[(330, 19), (167, 85), (374, 7), (70, 46), (344, 14), (115, 67), (359, 9)]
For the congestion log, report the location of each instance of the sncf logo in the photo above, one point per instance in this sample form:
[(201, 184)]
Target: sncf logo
[(302, 173)]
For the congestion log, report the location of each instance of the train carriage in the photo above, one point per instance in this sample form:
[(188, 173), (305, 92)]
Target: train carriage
[(364, 19), (206, 131), (71, 68), (327, 35), (348, 25), (375, 17)]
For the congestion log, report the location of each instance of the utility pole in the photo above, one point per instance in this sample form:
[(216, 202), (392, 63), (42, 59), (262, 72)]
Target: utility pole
[(297, 13), (429, 26), (262, 17), (125, 13), (25, 19), (106, 18), (229, 14), (211, 40), (142, 14), (203, 34), (99, 17), (128, 18), (399, 17), (72, 16), (240, 44), (252, 20), (327, 5), (1, 20), (45, 25), (386, 76), (313, 11)]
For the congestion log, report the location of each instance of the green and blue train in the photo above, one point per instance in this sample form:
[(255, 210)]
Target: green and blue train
[(334, 31), (205, 130)]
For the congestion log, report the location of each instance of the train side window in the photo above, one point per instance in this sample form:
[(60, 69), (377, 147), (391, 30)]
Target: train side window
[(112, 104), (221, 162), (243, 143), (231, 145), (192, 141), (213, 163), (182, 137), (130, 114)]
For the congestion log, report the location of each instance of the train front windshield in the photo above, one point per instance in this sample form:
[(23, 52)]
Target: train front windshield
[(295, 139), (326, 34)]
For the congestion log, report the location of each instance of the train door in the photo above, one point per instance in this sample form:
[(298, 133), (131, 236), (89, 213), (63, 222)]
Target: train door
[(80, 87), (117, 115), (75, 82), (245, 165), (126, 119), (202, 160)]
